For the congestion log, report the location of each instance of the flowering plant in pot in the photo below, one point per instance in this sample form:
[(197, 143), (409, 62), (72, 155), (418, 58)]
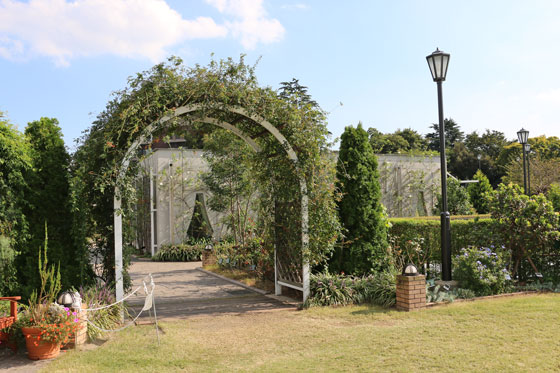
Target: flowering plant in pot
[(45, 324)]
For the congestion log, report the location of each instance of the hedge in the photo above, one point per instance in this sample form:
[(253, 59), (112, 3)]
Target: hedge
[(464, 232), (410, 234)]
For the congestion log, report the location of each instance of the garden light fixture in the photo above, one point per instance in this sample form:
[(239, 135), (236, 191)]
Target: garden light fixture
[(438, 62), (208, 247), (410, 270), (523, 137)]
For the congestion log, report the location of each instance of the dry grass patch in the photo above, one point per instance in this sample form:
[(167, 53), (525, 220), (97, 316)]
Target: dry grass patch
[(502, 335)]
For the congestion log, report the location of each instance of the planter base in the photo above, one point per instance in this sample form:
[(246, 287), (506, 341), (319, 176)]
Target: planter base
[(37, 349)]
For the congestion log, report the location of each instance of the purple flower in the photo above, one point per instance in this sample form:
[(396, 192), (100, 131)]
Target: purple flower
[(76, 320)]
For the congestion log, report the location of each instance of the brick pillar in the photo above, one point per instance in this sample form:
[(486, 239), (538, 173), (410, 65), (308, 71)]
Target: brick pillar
[(411, 292), (208, 258), (80, 337)]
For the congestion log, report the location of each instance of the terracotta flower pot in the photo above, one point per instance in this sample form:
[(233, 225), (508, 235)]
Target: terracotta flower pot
[(38, 349)]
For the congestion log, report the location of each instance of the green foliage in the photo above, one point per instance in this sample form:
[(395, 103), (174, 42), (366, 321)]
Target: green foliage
[(49, 200), (15, 163), (8, 273), (419, 240), (179, 253), (152, 94), (230, 181), (479, 192), (332, 290), (364, 248), (528, 227), (553, 196), (488, 147), (457, 199), (399, 142), (481, 270), (453, 134)]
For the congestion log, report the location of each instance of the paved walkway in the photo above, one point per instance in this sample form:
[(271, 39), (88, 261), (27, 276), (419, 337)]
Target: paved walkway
[(182, 291)]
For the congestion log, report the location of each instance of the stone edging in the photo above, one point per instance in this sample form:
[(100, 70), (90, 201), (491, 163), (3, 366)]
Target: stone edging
[(260, 291), (520, 293)]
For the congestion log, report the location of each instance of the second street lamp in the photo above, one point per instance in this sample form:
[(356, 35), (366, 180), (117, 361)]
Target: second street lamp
[(522, 137), (438, 62), (528, 152)]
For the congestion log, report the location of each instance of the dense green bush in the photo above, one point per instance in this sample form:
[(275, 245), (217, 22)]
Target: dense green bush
[(418, 240), (179, 253), (329, 290), (481, 270), (529, 228), (553, 196), (458, 202), (364, 247)]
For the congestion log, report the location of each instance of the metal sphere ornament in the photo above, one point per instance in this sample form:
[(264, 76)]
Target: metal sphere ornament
[(70, 299), (410, 270)]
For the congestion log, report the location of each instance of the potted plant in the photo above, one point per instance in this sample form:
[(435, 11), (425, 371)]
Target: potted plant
[(45, 324)]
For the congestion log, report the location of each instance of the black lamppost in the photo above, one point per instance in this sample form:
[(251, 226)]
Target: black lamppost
[(438, 62), (528, 152), (522, 136)]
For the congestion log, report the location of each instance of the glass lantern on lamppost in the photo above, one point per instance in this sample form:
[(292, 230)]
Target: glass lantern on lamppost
[(523, 137), (438, 62)]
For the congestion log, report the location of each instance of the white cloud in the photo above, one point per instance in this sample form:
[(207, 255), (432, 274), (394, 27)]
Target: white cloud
[(552, 95), (64, 30), (298, 6), (252, 24)]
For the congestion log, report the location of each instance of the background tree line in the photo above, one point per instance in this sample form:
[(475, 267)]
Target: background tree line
[(498, 158)]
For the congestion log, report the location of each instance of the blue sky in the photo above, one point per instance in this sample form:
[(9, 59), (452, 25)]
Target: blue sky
[(63, 59)]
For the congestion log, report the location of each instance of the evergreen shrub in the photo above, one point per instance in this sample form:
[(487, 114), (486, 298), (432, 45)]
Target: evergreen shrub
[(361, 213)]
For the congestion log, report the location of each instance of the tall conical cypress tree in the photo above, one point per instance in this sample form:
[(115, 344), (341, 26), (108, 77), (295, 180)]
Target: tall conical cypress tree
[(478, 192), (361, 214), (48, 200)]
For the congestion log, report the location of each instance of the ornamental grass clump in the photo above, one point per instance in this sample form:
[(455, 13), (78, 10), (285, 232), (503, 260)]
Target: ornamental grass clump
[(482, 270), (339, 290), (106, 318)]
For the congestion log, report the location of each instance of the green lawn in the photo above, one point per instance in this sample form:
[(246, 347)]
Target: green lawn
[(507, 334)]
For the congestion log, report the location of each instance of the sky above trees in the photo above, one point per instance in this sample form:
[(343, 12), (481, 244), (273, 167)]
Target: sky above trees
[(361, 61)]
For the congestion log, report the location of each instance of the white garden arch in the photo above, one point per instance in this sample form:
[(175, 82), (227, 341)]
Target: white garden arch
[(281, 278)]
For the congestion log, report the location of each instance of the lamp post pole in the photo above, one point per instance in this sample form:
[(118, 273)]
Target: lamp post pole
[(522, 137), (438, 62), (528, 152)]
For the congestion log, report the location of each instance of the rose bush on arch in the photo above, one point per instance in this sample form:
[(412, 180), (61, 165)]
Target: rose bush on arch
[(155, 93)]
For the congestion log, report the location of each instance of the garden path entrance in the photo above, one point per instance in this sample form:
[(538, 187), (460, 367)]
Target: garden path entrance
[(182, 291)]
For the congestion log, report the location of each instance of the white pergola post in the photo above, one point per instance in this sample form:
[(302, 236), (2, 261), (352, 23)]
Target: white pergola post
[(119, 290)]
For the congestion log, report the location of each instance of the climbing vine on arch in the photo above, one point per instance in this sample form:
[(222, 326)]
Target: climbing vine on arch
[(153, 94)]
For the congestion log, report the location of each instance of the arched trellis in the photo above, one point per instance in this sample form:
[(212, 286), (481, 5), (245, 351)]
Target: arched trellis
[(164, 121)]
